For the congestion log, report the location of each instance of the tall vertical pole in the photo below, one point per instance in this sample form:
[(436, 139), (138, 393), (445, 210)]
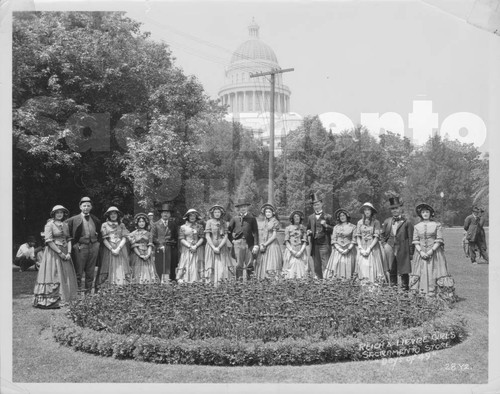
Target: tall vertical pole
[(270, 188), (272, 73)]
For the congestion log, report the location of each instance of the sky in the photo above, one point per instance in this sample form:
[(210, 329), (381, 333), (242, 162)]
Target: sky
[(418, 62), (350, 57)]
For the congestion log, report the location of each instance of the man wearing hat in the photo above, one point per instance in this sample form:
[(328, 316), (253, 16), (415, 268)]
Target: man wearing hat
[(244, 234), (85, 230), (397, 239), (319, 229), (165, 236), (475, 236), (26, 255)]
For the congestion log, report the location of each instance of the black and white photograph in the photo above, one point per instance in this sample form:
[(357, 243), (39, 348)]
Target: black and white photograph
[(215, 196)]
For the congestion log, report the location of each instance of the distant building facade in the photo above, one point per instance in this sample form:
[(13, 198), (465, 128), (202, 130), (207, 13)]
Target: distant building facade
[(248, 99)]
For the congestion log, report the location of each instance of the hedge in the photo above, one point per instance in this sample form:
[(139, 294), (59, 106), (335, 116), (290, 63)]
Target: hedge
[(442, 332)]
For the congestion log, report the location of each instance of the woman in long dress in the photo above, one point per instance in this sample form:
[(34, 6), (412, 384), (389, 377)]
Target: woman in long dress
[(218, 262), (56, 281), (370, 258), (142, 259), (191, 239), (271, 258), (342, 261), (295, 255), (429, 262), (115, 267)]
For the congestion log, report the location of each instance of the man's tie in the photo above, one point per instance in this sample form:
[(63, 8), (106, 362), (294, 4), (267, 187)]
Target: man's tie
[(397, 219), (87, 217)]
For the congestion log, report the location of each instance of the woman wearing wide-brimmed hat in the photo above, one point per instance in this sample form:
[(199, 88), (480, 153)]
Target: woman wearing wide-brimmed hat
[(142, 257), (270, 261), (192, 254), (370, 257), (429, 262), (56, 281), (295, 264), (218, 263), (115, 267), (342, 261)]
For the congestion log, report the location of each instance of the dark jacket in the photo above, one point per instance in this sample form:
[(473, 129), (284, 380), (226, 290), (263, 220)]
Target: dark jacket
[(474, 225), (328, 228), (247, 228), (75, 225), (401, 243), (159, 232)]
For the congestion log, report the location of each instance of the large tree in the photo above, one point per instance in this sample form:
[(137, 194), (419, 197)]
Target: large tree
[(82, 83), (448, 167)]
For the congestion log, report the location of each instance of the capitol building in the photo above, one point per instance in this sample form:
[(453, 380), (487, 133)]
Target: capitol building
[(248, 99)]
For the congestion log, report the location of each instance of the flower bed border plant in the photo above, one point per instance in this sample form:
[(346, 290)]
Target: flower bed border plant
[(442, 332)]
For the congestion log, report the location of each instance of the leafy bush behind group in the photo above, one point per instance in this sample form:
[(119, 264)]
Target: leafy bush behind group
[(267, 311)]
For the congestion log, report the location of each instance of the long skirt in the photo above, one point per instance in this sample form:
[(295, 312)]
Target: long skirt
[(295, 267), (114, 270), (426, 272), (341, 265), (371, 268), (56, 280), (143, 271), (190, 265), (270, 262), (218, 266)]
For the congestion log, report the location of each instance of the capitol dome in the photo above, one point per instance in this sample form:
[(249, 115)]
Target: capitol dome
[(249, 98), (254, 48), (244, 94)]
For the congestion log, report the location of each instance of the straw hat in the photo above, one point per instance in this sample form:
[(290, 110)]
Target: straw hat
[(420, 207), (368, 205), (113, 209), (189, 212), (342, 210), (59, 208), (219, 207), (296, 213)]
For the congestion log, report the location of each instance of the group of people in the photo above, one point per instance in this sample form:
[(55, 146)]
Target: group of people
[(215, 250), (378, 252)]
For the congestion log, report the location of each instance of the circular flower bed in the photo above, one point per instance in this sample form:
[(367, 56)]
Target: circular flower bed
[(258, 323)]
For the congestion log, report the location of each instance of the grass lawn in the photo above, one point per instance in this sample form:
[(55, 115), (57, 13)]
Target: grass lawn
[(37, 358)]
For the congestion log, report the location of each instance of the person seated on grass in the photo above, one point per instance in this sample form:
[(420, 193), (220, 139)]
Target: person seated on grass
[(26, 254)]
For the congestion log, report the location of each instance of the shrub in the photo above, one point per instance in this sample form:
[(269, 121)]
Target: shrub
[(289, 322), (442, 332), (267, 311)]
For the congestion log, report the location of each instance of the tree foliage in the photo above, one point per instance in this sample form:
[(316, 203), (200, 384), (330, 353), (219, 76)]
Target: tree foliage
[(77, 78), (100, 109), (354, 167)]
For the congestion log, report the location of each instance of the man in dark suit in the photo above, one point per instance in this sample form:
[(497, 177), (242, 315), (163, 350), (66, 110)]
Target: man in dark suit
[(85, 231), (397, 238), (244, 234), (165, 236), (476, 237), (319, 229)]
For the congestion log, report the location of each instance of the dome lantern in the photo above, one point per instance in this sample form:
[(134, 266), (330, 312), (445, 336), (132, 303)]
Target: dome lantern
[(253, 29)]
